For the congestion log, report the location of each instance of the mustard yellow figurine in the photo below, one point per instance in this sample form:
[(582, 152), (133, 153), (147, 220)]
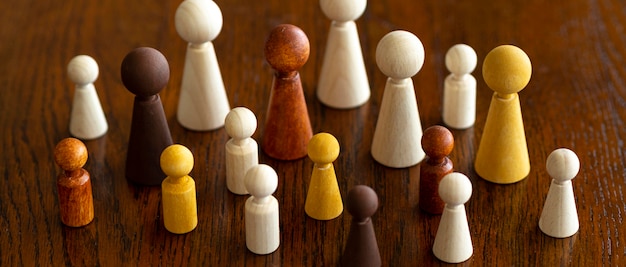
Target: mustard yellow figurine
[(323, 200), (180, 213)]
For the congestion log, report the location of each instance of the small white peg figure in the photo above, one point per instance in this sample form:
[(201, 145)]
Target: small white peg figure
[(343, 79), (559, 217), (203, 103), (87, 120), (459, 92), (453, 242), (398, 134), (242, 151), (261, 210)]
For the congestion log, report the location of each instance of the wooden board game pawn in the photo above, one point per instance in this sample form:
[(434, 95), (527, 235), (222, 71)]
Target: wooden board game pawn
[(323, 199), (178, 190), (74, 183), (203, 103), (287, 125), (145, 72), (361, 248), (502, 155), (437, 142), (261, 210), (459, 91), (343, 79), (87, 120), (453, 242), (559, 217), (242, 151), (398, 133)]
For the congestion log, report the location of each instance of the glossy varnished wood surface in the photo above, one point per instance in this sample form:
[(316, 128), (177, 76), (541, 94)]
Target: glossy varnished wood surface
[(576, 99)]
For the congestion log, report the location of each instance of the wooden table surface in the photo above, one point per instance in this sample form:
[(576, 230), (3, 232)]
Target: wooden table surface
[(576, 98)]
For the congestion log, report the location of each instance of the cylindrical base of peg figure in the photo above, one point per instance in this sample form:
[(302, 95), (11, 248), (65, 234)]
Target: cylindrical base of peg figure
[(203, 104), (459, 102), (87, 120), (502, 155), (429, 200), (361, 248), (453, 242), (180, 212), (559, 217), (238, 160), (343, 79), (75, 199), (262, 226), (149, 136)]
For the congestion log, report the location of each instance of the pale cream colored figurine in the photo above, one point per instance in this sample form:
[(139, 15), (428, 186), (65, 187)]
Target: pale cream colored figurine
[(459, 91), (180, 213), (87, 120), (242, 151), (261, 210)]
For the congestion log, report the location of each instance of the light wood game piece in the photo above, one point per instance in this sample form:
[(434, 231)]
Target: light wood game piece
[(361, 248), (323, 199), (178, 190), (502, 155), (398, 133), (459, 92), (74, 183), (203, 103), (145, 72), (559, 217), (453, 242), (343, 79), (87, 120), (287, 125), (242, 151), (437, 142), (261, 210)]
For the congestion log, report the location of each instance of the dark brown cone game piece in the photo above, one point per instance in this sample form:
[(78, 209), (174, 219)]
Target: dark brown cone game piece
[(287, 125), (437, 143), (362, 248), (145, 72), (74, 183)]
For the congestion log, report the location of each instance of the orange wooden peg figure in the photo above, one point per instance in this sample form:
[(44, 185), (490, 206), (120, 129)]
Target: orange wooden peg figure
[(287, 125), (74, 183), (437, 142)]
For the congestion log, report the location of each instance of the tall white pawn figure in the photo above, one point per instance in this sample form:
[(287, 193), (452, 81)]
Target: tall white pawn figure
[(398, 133), (453, 242), (87, 120), (203, 103), (261, 214), (242, 151), (459, 91), (343, 79), (559, 217)]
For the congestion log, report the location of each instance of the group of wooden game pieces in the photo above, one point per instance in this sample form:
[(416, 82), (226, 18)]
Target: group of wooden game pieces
[(398, 141)]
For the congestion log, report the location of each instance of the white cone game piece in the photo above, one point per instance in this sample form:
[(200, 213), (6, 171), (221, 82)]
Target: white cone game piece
[(203, 103), (87, 120), (242, 151), (459, 92), (261, 210), (343, 79), (559, 217)]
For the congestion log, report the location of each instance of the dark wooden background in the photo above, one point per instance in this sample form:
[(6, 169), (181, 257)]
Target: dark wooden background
[(576, 98)]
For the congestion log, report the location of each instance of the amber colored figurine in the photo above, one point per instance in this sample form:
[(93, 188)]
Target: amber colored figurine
[(74, 183), (362, 248), (287, 125), (323, 199), (437, 142), (180, 212)]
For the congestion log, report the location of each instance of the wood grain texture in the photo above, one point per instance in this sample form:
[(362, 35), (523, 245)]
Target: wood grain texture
[(576, 99)]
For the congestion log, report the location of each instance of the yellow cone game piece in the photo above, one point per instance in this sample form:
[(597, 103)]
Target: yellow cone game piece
[(323, 200)]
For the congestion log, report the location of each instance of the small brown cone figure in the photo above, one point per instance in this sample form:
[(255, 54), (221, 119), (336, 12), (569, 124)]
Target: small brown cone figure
[(362, 248)]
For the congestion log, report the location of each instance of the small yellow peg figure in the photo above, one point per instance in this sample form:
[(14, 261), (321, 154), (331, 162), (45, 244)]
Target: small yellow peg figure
[(323, 200), (180, 213)]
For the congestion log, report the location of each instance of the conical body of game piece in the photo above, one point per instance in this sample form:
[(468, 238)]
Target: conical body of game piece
[(87, 120), (361, 248), (74, 183), (323, 199), (559, 217), (398, 133), (242, 151), (459, 93), (178, 190), (203, 103), (437, 142), (261, 210), (453, 242), (145, 72), (287, 125), (343, 79), (502, 155)]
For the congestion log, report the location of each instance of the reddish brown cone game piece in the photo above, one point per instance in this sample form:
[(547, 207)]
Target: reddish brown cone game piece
[(74, 183), (437, 143)]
